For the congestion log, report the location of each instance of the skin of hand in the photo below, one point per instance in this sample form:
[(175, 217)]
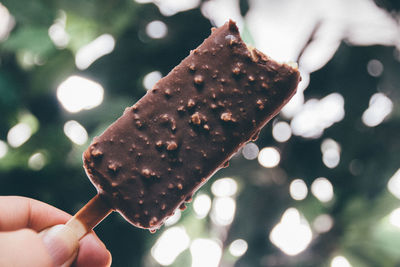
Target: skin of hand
[(21, 244)]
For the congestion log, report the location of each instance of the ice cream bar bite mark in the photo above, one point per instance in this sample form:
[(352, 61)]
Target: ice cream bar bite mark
[(184, 130)]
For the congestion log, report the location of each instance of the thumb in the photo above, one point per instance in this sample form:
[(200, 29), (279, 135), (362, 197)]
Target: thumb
[(23, 248), (62, 244)]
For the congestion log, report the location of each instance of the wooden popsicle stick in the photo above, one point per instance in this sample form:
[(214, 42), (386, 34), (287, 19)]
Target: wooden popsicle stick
[(89, 216)]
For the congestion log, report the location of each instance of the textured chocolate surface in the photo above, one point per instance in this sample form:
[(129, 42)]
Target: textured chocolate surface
[(162, 149)]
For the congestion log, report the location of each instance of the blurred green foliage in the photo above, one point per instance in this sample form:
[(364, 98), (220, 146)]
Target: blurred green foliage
[(31, 68)]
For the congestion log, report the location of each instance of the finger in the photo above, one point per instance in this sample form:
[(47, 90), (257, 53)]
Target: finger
[(92, 253), (62, 244), (55, 246), (21, 212), (23, 248)]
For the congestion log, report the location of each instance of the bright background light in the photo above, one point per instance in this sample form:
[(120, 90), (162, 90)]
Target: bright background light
[(86, 55), (295, 104), (171, 7), (3, 149), (292, 234), (250, 151), (7, 22), (330, 153), (340, 261), (394, 184), (224, 187), (323, 223), (77, 93), (238, 247), (298, 189), (223, 210), (317, 115), (202, 205), (380, 106), (57, 31), (150, 79), (156, 29), (322, 189), (281, 131), (37, 161), (269, 157), (205, 252), (75, 132), (19, 134), (174, 218), (394, 217), (331, 158), (169, 245)]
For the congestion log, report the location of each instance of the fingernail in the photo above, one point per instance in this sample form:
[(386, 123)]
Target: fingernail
[(61, 242)]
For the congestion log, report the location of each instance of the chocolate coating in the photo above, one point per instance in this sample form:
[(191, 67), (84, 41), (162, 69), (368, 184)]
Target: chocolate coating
[(163, 148)]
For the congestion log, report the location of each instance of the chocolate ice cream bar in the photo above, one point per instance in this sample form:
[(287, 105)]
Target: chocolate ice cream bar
[(166, 146)]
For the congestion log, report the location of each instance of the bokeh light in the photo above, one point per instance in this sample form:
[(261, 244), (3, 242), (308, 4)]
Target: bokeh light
[(292, 234), (269, 157), (250, 151), (220, 11), (223, 210), (317, 115), (394, 184), (170, 244), (26, 59), (202, 205), (329, 143), (7, 22), (86, 55), (322, 189), (3, 149), (224, 187), (150, 79), (171, 7), (375, 68), (269, 30), (205, 252), (330, 153), (156, 29), (77, 93), (37, 161), (331, 158), (57, 31), (394, 217), (75, 132), (19, 134), (174, 218), (281, 131), (296, 103), (323, 223), (340, 261), (298, 189), (238, 247), (380, 106)]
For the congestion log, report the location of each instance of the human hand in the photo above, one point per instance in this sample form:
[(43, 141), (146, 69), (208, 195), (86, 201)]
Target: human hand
[(21, 245)]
